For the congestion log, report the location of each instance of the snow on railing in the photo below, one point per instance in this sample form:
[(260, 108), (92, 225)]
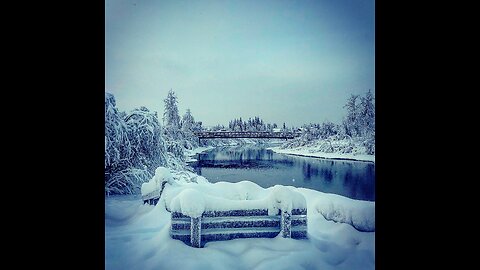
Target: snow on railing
[(152, 190), (199, 218)]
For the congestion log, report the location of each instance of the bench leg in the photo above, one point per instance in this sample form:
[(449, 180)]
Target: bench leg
[(286, 225), (195, 232)]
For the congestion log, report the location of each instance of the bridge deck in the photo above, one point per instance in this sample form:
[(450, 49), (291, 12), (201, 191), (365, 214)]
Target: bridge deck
[(244, 134)]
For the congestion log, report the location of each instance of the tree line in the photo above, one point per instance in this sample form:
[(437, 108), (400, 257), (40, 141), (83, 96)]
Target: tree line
[(358, 125), (136, 143), (252, 124)]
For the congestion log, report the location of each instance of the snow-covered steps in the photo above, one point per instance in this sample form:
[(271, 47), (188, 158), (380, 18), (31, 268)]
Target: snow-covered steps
[(232, 224)]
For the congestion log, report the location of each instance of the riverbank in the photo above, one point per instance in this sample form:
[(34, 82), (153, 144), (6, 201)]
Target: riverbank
[(310, 152), (137, 235), (191, 153)]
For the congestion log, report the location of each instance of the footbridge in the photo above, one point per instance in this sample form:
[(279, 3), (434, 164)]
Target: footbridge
[(244, 134)]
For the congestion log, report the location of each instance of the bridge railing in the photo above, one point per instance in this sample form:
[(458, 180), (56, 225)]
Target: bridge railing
[(244, 134)]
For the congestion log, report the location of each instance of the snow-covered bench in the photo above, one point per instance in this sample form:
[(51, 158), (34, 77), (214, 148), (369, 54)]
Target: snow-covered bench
[(198, 218), (152, 190), (153, 196)]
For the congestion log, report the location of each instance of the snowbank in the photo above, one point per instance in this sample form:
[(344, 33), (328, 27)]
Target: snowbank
[(194, 200), (162, 174), (189, 202), (311, 152), (285, 199), (137, 235), (190, 153), (359, 214), (246, 195)]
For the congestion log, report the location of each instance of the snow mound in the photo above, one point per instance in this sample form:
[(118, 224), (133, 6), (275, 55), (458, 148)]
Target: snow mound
[(193, 199), (189, 202), (282, 198), (162, 174), (359, 214)]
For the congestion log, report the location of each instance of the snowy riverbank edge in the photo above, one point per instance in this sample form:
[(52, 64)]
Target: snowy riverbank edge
[(305, 152), (191, 153)]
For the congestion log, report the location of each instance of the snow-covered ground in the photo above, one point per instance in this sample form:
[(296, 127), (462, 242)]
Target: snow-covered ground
[(311, 152), (137, 235), (191, 153)]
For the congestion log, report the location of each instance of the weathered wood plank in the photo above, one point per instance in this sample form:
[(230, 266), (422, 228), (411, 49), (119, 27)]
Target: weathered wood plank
[(234, 213), (230, 224), (300, 211), (229, 236), (299, 222)]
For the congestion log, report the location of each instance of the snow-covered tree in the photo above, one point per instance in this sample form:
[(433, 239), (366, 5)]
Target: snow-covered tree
[(328, 129), (173, 136), (351, 121), (136, 144), (197, 126), (145, 134), (356, 134), (367, 113), (188, 121), (171, 118), (117, 144), (122, 174)]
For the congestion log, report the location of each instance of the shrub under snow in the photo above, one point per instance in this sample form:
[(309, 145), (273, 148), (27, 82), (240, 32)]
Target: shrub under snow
[(162, 175)]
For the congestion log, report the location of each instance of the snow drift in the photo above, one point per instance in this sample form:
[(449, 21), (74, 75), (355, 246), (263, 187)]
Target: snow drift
[(162, 175), (359, 214), (137, 235), (193, 201)]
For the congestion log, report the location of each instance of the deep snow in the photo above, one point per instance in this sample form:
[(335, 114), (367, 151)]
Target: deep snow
[(137, 235), (162, 174), (192, 200)]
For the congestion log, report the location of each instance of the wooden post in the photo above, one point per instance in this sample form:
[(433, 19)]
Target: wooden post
[(286, 224), (195, 231)]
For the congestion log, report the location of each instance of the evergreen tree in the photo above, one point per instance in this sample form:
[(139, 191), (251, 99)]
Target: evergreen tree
[(145, 135), (171, 117), (188, 121), (133, 148), (351, 122), (367, 113), (117, 144)]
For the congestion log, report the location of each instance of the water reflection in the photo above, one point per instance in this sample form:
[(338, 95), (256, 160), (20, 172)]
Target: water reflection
[(266, 168)]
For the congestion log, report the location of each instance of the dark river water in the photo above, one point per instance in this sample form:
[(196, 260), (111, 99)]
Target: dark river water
[(353, 179)]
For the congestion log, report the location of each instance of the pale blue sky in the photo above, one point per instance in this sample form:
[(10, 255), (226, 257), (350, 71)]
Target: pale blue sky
[(285, 61)]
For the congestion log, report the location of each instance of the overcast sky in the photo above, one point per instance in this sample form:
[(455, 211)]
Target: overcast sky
[(285, 61)]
